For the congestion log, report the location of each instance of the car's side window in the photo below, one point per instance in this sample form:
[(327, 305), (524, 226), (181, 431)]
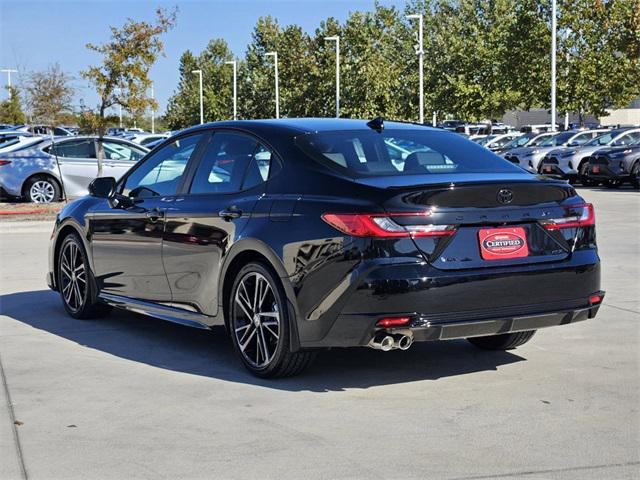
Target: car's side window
[(82, 148), (161, 172), (121, 151), (231, 162)]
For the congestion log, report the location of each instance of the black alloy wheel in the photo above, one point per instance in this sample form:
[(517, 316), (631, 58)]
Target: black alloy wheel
[(584, 177), (259, 324), (635, 175), (75, 281)]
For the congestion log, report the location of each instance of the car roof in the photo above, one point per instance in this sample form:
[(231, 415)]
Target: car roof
[(308, 125)]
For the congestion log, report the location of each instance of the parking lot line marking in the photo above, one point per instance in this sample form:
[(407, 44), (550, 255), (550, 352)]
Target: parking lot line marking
[(14, 425)]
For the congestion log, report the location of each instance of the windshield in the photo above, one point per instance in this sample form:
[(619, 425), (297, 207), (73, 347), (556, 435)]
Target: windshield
[(539, 141), (518, 141), (558, 139), (400, 152), (601, 140)]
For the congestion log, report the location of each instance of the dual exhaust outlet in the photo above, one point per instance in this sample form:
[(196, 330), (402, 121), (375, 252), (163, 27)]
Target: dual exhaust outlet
[(386, 341)]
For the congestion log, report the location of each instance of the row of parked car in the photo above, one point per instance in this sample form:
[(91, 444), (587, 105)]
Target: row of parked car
[(600, 156), (43, 164)]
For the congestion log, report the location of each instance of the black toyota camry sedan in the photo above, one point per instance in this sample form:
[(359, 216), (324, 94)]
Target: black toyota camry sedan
[(304, 234)]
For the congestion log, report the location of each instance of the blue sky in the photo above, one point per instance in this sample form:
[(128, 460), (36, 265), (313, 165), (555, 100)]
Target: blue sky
[(34, 34)]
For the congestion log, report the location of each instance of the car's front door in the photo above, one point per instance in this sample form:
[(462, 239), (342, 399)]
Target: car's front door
[(203, 223), (126, 238), (78, 164)]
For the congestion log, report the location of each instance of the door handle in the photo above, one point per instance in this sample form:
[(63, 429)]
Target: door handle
[(230, 213), (154, 215)]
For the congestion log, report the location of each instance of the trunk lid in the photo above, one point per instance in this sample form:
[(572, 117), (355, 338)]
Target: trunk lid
[(509, 207)]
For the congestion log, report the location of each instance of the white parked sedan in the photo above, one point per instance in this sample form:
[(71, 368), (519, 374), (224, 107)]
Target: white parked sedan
[(64, 167)]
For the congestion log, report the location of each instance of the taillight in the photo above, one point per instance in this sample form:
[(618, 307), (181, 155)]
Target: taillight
[(390, 322), (4, 162), (381, 225), (578, 216)]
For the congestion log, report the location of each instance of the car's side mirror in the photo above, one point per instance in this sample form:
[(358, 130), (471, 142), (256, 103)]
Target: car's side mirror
[(103, 187), (573, 144)]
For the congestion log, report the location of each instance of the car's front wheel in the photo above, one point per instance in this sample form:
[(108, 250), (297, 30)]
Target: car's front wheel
[(506, 341), (583, 174), (75, 281), (635, 175), (260, 324)]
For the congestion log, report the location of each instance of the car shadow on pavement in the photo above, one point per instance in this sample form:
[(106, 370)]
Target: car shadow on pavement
[(209, 353)]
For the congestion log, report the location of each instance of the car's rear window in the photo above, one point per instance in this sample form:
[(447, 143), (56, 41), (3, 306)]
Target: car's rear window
[(400, 152)]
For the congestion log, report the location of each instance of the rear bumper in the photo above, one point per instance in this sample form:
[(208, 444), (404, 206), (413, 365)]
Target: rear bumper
[(459, 304)]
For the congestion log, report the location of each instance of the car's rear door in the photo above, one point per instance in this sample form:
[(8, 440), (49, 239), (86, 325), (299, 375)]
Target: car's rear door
[(204, 222)]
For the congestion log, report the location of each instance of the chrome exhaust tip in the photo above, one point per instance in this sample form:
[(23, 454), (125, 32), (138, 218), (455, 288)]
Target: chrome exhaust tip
[(405, 342), (383, 341)]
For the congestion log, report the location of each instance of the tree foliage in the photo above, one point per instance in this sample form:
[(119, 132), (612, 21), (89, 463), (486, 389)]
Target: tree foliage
[(122, 78), (11, 108), (482, 58), (49, 95)]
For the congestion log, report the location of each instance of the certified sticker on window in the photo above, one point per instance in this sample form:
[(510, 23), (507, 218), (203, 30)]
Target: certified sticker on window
[(503, 243)]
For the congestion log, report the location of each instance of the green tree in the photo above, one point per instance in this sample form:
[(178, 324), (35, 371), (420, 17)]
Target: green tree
[(49, 95), (184, 105), (11, 108), (599, 55), (122, 78)]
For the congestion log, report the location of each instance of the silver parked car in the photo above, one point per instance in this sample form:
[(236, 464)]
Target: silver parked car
[(64, 166), (571, 162), (530, 157)]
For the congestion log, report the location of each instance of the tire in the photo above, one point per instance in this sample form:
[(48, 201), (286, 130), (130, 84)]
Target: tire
[(635, 175), (76, 283), (263, 341), (42, 189), (507, 341), (584, 178)]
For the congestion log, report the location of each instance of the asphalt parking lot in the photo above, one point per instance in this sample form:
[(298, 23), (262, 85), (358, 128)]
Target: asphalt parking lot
[(133, 397)]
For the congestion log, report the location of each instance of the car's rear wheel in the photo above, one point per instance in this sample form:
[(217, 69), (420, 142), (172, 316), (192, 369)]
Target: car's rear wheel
[(260, 324), (75, 281), (584, 177), (506, 341), (42, 189)]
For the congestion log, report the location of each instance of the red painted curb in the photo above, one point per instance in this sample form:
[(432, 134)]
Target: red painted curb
[(25, 212)]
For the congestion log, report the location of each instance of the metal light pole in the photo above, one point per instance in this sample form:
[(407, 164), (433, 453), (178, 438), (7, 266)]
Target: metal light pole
[(8, 71), (199, 72), (336, 39), (553, 64), (420, 53), (275, 63), (235, 88), (153, 112)]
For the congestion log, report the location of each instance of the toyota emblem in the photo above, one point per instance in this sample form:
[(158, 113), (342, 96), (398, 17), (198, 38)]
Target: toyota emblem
[(505, 196)]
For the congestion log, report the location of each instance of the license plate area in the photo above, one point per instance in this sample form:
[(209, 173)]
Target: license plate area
[(503, 243), (595, 169), (548, 168)]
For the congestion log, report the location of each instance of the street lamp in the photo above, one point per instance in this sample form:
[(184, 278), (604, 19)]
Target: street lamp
[(8, 71), (336, 39), (199, 72), (420, 53), (235, 88), (553, 65), (153, 112), (275, 64)]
